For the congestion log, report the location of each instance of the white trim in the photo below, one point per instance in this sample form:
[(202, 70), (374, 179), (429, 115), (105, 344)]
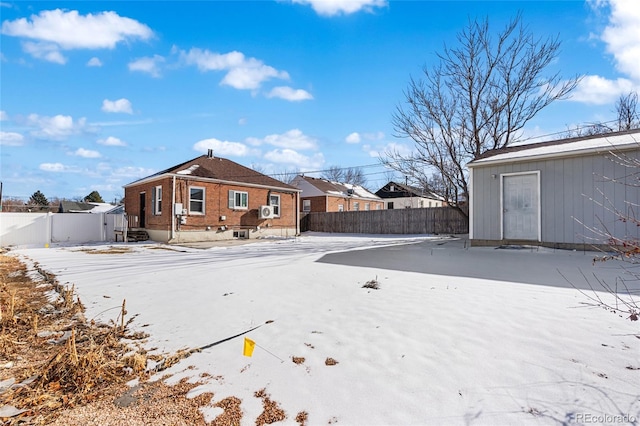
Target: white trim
[(279, 204), (471, 205), (204, 197), (531, 172)]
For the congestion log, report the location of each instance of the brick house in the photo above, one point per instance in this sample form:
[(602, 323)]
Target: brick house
[(402, 196), (210, 198), (322, 195)]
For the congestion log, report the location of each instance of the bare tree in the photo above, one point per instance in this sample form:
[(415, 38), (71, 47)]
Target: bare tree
[(477, 97), (287, 175), (334, 173), (355, 176), (351, 175), (589, 129), (627, 110)]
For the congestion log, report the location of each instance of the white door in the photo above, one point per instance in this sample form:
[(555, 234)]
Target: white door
[(520, 207)]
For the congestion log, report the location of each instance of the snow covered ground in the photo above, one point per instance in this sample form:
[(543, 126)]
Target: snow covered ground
[(424, 348)]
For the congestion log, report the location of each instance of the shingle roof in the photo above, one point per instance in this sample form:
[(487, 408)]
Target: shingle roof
[(567, 147), (220, 169), (405, 191), (338, 188)]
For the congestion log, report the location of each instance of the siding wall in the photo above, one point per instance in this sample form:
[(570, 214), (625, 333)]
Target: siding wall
[(571, 198)]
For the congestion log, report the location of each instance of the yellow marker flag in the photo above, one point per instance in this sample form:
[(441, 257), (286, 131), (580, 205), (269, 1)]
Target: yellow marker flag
[(248, 347)]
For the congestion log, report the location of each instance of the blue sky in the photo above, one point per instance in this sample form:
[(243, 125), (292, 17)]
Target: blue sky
[(95, 95)]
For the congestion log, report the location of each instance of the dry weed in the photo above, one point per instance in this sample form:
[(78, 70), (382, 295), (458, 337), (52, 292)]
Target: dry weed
[(302, 417), (271, 412), (330, 361)]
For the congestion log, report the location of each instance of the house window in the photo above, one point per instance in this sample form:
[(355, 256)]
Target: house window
[(390, 205), (157, 200), (238, 200), (392, 188), (340, 207), (378, 207), (306, 205), (274, 201), (196, 200), (356, 206), (366, 206)]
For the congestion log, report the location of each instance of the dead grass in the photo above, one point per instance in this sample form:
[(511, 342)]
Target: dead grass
[(109, 250), (373, 284), (330, 361), (232, 412), (59, 362), (302, 418), (298, 359), (271, 412)]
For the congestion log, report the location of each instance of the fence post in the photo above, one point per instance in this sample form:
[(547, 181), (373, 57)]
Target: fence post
[(49, 229)]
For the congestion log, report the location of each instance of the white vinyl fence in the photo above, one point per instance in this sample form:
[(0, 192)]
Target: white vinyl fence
[(20, 229)]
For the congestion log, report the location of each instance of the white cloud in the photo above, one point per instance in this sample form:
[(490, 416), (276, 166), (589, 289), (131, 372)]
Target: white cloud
[(346, 7), (242, 72), (94, 62), (622, 36), (121, 105), (53, 167), (111, 141), (293, 139), (379, 151), (289, 94), (597, 90), (294, 158), (353, 138), (86, 153), (56, 127), (622, 41), (150, 65), (3, 115), (243, 121), (47, 51), (219, 147), (133, 172), (57, 30), (11, 139)]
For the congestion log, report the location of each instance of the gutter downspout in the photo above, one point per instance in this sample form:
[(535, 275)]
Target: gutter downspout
[(173, 206)]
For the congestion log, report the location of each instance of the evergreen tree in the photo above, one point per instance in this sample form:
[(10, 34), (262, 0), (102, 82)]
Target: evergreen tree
[(39, 200), (94, 197)]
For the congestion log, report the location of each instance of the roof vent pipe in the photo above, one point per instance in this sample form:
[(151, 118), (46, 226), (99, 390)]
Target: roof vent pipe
[(210, 153)]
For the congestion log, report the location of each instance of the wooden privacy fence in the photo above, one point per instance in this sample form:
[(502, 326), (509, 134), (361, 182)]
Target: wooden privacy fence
[(435, 220)]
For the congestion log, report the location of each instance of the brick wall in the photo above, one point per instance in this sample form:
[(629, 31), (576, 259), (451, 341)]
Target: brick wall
[(215, 206)]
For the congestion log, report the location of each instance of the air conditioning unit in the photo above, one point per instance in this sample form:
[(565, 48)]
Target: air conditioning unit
[(265, 212)]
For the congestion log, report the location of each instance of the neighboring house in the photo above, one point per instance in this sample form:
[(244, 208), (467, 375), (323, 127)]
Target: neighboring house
[(565, 193), (80, 207), (322, 195), (400, 196), (210, 198)]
